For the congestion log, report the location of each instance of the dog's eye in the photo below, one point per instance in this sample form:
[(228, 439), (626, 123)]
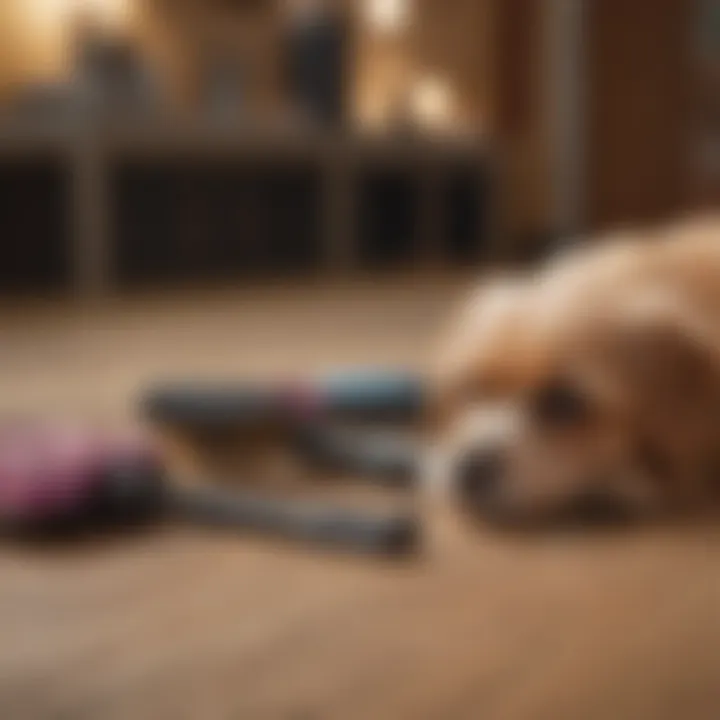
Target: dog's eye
[(560, 403)]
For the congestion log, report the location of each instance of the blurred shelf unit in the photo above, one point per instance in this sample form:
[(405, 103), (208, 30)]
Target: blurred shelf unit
[(93, 211), (36, 220)]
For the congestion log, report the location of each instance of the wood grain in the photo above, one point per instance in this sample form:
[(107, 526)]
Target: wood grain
[(184, 624)]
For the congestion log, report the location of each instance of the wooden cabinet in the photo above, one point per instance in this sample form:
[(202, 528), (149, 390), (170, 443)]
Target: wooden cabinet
[(116, 209), (36, 223)]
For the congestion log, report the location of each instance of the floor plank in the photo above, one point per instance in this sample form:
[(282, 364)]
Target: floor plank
[(184, 624)]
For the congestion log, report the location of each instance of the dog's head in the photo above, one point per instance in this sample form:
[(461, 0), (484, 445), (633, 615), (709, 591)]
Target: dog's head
[(575, 405)]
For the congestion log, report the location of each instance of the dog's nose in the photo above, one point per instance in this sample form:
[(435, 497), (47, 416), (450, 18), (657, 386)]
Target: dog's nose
[(479, 475)]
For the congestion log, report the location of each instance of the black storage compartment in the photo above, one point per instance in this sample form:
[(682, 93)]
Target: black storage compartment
[(200, 219), (465, 202), (387, 219), (35, 225)]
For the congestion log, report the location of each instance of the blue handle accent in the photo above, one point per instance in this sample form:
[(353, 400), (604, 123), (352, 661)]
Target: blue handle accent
[(373, 390)]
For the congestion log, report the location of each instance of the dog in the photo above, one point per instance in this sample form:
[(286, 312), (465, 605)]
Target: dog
[(588, 389)]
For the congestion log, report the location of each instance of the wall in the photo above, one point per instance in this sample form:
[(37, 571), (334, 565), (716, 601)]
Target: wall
[(639, 79), (522, 114), (447, 40), (34, 35)]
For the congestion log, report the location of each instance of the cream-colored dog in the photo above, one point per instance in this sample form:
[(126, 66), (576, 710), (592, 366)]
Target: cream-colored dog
[(590, 388)]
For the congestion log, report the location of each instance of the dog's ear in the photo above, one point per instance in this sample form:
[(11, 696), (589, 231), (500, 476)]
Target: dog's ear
[(668, 365), (477, 331), (671, 375)]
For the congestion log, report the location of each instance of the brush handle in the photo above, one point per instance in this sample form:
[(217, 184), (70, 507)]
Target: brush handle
[(368, 396), (136, 492), (392, 395), (392, 535), (385, 458), (58, 480)]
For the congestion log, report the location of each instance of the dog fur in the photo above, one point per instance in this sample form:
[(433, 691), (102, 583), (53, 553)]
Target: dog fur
[(596, 377)]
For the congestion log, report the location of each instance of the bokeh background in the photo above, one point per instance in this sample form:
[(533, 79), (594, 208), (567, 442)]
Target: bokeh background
[(156, 141), (242, 189)]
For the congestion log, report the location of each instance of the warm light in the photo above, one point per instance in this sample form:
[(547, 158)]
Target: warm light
[(110, 14), (387, 15), (42, 14), (105, 13), (433, 102), (43, 29)]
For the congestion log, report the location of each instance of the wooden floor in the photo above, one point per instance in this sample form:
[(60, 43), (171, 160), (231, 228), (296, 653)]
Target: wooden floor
[(182, 624)]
